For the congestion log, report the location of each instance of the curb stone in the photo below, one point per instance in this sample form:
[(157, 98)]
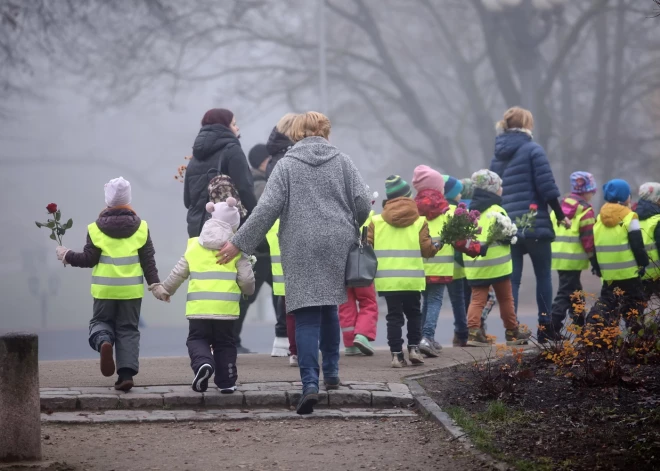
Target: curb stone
[(430, 409)]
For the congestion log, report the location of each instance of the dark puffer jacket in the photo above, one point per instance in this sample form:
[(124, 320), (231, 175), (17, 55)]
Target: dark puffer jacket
[(118, 223), (645, 210), (526, 179), (215, 147), (278, 144)]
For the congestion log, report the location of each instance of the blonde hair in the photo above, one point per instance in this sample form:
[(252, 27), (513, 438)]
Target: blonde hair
[(515, 118), (309, 124), (285, 122)]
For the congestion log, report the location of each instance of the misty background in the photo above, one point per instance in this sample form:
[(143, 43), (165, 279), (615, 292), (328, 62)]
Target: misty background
[(91, 90)]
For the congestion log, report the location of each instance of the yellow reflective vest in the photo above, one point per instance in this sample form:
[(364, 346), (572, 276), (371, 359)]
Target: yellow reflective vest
[(497, 262), (213, 292), (615, 257), (567, 251), (648, 233), (276, 259), (400, 262), (443, 262), (118, 275)]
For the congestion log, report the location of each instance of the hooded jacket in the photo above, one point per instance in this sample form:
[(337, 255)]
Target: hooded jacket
[(586, 222), (645, 210), (306, 191), (526, 179), (215, 234), (118, 223), (278, 144), (431, 204), (215, 148), (611, 214)]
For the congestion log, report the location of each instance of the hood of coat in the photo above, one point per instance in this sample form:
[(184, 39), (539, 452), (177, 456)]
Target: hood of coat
[(278, 143), (314, 151), (211, 139), (482, 200), (215, 234), (400, 212), (507, 144), (571, 208), (647, 209), (613, 214), (431, 204), (118, 223)]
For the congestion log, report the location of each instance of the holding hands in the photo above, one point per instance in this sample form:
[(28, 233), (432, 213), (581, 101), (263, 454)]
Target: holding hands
[(159, 292)]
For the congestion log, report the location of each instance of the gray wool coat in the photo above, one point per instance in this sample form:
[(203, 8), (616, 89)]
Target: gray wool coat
[(306, 191)]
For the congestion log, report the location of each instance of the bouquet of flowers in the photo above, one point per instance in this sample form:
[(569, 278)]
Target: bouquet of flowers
[(502, 230), (527, 221), (461, 226), (181, 171), (57, 228)]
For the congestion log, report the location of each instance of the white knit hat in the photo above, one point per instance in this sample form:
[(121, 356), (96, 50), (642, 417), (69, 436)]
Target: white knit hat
[(225, 211), (117, 192)]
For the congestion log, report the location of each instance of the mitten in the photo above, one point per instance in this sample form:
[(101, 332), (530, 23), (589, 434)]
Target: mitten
[(159, 292), (61, 252)]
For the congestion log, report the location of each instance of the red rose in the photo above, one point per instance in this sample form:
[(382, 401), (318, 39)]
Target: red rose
[(533, 207), (51, 208)]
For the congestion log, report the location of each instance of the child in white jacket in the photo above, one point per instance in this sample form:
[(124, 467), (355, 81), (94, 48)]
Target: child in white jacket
[(214, 292)]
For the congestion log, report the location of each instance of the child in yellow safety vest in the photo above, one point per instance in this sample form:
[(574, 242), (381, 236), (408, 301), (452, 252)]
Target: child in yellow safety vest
[(401, 240), (120, 251), (214, 292), (620, 256), (648, 210), (572, 249)]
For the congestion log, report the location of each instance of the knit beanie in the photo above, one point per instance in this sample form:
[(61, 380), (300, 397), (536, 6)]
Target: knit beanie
[(582, 182), (225, 211), (468, 188), (453, 187), (117, 192), (396, 187), (257, 155), (425, 178), (487, 180), (650, 191), (616, 191)]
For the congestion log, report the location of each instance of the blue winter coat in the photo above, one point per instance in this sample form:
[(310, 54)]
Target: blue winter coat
[(527, 179)]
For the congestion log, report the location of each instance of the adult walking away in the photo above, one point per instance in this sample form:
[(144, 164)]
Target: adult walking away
[(216, 149), (306, 192), (527, 180), (279, 142)]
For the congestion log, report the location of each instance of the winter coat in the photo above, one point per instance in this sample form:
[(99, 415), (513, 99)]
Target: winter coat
[(586, 223), (611, 215), (215, 234), (431, 204), (526, 179), (118, 223), (277, 146), (645, 210), (215, 148), (306, 191), (259, 179)]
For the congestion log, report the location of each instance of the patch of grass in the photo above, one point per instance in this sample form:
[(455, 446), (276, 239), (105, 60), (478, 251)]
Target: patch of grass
[(479, 434), (495, 412), (543, 464)]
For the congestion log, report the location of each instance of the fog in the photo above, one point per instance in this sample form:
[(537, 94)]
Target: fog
[(107, 89)]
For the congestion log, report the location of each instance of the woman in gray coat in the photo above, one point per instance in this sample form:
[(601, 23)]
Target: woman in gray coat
[(306, 191)]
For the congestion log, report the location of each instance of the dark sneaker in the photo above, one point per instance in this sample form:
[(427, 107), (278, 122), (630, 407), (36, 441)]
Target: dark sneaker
[(477, 338), (414, 355), (456, 342), (230, 390), (201, 382), (517, 336), (398, 360), (548, 333), (124, 383), (107, 361), (240, 349), (307, 402), (331, 383), (427, 347)]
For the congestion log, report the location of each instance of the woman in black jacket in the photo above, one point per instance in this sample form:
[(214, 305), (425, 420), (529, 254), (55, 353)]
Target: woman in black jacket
[(216, 148), (278, 142)]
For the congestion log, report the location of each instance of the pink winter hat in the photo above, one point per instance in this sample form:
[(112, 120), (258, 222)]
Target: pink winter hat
[(425, 178), (225, 211)]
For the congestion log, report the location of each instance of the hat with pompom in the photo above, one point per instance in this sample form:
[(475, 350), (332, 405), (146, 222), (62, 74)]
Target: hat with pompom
[(225, 211)]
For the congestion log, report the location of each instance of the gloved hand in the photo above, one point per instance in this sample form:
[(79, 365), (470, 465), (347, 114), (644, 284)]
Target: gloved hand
[(159, 292), (61, 254), (642, 272), (595, 269)]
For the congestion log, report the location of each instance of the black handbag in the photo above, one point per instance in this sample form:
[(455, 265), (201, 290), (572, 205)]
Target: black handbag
[(361, 264)]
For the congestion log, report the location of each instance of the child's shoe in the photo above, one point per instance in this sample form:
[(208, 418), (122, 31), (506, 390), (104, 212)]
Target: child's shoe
[(427, 347), (280, 347), (201, 382), (517, 337), (228, 390), (477, 338), (456, 342), (362, 343), (293, 361), (331, 383), (352, 351), (414, 355), (107, 361), (125, 380), (398, 360), (307, 402)]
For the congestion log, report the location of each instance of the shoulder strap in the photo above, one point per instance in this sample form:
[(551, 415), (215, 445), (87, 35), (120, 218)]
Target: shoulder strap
[(351, 202)]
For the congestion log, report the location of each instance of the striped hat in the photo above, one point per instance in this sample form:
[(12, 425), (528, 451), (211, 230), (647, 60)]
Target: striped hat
[(397, 187)]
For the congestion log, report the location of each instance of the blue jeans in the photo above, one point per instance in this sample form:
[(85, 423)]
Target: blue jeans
[(317, 327), (432, 299), (540, 252)]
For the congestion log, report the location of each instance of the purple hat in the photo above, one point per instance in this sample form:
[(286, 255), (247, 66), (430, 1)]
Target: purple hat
[(583, 182)]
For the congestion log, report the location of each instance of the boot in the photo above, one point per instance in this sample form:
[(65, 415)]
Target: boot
[(414, 355), (517, 336), (477, 338), (398, 360)]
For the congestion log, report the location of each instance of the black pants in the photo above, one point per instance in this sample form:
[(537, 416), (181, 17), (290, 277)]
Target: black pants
[(569, 283), (402, 307), (116, 321), (611, 306), (262, 274), (206, 333)]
